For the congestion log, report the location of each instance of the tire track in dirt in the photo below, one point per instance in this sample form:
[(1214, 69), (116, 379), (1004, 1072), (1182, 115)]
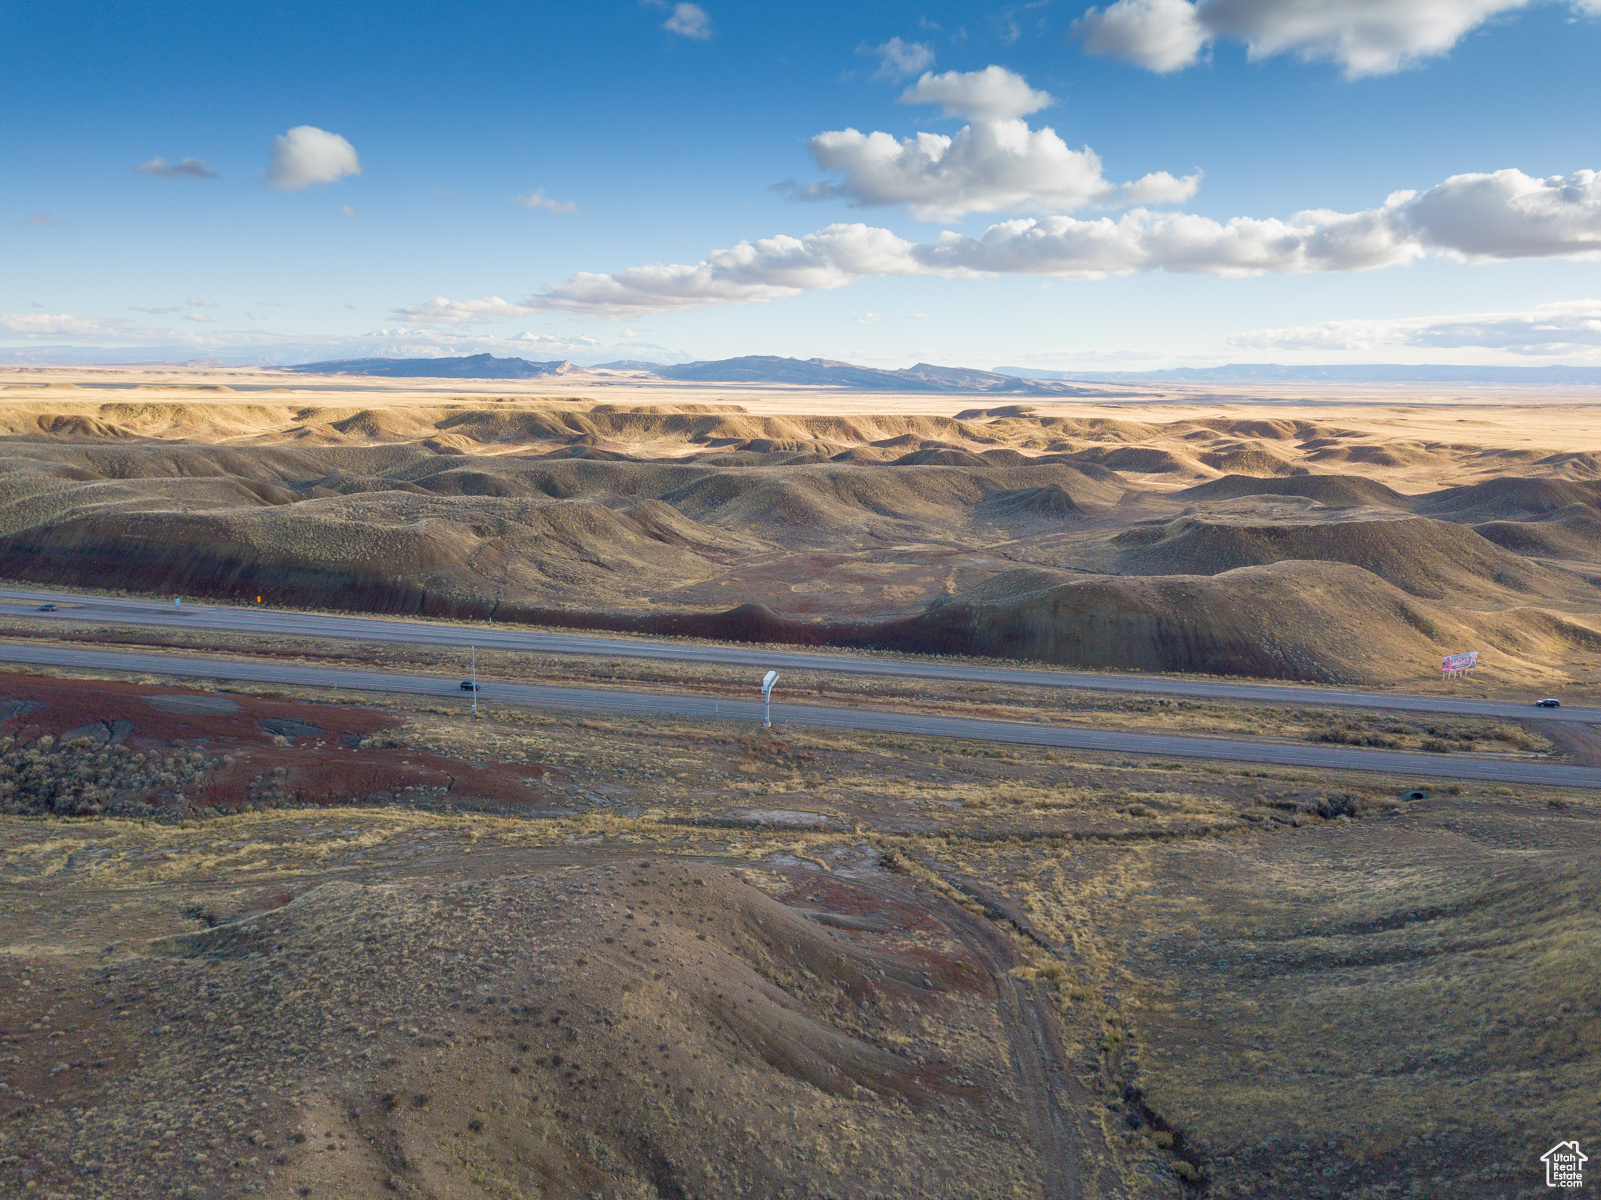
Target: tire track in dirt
[(1036, 1054), (1036, 1048)]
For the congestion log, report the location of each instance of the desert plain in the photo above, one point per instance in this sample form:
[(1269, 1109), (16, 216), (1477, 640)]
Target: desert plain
[(286, 941)]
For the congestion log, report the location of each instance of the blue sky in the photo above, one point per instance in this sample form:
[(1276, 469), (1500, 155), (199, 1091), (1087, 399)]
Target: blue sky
[(656, 134)]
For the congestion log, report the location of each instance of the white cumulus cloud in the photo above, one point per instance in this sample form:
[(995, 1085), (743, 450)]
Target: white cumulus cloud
[(898, 59), (185, 168), (442, 311), (1365, 37), (1570, 327), (689, 20), (306, 155), (993, 94), (1159, 35), (767, 269), (1473, 218), (995, 163), (1507, 214), (538, 200)]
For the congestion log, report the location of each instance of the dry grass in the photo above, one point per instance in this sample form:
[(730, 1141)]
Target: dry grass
[(1131, 895)]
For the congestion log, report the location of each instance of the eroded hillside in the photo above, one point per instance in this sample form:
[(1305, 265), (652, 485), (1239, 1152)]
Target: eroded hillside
[(1358, 547)]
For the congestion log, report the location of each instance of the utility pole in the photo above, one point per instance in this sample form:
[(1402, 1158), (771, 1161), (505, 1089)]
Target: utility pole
[(475, 680)]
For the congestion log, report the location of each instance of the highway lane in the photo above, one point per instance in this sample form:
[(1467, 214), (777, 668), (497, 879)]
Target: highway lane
[(1418, 766), (266, 621)]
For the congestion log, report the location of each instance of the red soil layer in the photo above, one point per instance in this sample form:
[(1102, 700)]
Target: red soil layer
[(846, 899), (893, 922), (321, 758)]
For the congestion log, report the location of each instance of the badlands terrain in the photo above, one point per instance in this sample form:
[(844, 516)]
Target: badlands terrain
[(294, 942), (1351, 537)]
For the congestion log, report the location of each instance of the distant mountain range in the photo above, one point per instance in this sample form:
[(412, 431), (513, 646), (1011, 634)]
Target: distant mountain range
[(1365, 373), (827, 372), (925, 377), (474, 366), (753, 368)]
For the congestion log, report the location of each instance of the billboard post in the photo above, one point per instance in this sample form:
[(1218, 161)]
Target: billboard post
[(767, 695)]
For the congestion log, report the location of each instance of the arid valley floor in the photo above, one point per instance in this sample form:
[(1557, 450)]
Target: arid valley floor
[(280, 942)]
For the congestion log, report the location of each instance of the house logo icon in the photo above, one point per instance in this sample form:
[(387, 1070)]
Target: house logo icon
[(1564, 1165)]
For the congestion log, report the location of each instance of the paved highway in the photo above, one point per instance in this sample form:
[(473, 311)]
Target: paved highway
[(1418, 766), (268, 621)]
